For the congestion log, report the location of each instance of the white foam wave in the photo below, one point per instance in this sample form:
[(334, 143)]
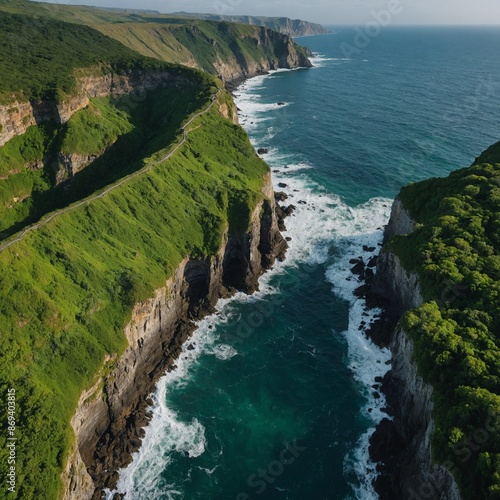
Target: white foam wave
[(166, 437), (320, 60), (320, 219), (366, 360)]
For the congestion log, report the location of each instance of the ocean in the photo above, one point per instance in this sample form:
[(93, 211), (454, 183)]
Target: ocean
[(278, 398)]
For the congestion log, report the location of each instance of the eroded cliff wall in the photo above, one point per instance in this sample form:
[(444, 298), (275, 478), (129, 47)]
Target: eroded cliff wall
[(16, 117)]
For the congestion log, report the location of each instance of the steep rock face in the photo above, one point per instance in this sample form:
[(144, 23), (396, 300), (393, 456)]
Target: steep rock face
[(392, 279), (16, 117), (408, 465), (72, 164), (286, 56), (109, 421), (413, 473), (396, 283)]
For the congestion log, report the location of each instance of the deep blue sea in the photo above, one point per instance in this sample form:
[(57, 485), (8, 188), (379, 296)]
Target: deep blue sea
[(276, 399)]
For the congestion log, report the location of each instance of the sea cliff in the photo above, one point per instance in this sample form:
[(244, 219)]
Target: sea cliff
[(104, 276), (285, 25), (402, 444), (440, 266)]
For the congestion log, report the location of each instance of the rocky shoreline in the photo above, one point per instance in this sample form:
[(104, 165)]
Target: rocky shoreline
[(110, 419)]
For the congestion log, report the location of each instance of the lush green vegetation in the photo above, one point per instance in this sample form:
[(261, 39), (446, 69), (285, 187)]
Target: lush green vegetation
[(122, 132), (66, 290), (455, 250)]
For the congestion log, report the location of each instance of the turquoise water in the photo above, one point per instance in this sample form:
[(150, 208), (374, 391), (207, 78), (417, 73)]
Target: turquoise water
[(276, 401)]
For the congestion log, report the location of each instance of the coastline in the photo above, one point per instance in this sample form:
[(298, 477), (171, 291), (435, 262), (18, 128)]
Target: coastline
[(401, 443), (363, 349)]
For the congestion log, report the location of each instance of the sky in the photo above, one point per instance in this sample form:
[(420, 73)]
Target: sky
[(328, 11)]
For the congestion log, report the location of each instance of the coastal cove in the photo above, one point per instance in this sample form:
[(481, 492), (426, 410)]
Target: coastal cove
[(290, 364)]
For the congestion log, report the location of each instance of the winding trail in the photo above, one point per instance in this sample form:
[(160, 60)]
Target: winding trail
[(108, 190)]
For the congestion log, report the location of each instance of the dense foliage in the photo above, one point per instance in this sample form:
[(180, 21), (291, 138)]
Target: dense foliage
[(455, 250)]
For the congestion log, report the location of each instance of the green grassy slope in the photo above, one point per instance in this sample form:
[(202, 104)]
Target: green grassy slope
[(66, 290), (121, 135), (38, 57), (455, 250)]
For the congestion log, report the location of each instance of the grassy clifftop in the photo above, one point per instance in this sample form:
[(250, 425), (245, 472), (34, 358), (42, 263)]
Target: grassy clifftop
[(455, 249), (67, 288), (38, 58)]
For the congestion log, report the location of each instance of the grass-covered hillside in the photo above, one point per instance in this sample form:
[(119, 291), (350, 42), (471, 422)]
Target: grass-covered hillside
[(455, 250), (40, 59), (119, 136), (193, 42), (67, 289)]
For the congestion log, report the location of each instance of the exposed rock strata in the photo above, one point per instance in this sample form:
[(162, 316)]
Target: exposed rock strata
[(109, 420), (403, 445)]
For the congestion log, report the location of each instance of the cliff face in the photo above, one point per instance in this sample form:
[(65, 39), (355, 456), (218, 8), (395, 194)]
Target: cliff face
[(393, 281), (109, 419), (404, 444), (285, 55)]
